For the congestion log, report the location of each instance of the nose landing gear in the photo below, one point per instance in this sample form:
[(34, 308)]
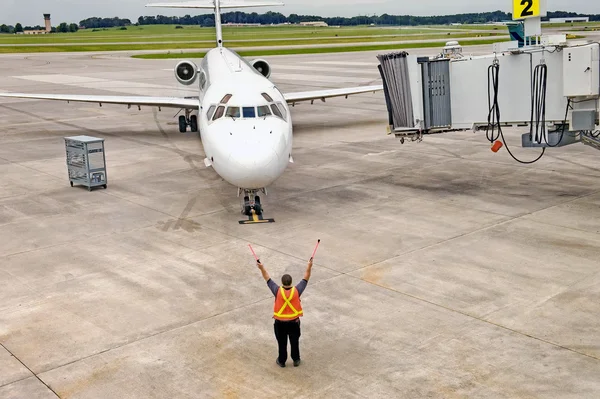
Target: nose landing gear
[(252, 207)]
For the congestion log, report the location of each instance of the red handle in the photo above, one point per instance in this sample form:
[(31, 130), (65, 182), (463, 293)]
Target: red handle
[(315, 251), (253, 253)]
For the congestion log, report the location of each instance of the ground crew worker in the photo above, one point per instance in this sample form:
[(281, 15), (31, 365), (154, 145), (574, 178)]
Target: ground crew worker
[(287, 312)]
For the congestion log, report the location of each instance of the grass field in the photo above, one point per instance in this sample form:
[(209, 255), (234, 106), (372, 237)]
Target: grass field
[(167, 37), (169, 33)]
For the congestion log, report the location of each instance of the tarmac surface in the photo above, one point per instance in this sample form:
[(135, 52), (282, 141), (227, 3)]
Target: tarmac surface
[(444, 270)]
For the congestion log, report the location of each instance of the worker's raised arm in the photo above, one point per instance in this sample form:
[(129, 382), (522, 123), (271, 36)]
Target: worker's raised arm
[(263, 271), (308, 270)]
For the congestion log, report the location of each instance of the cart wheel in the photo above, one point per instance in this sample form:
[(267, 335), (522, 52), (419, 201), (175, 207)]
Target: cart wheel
[(71, 184), (105, 186), (89, 189)]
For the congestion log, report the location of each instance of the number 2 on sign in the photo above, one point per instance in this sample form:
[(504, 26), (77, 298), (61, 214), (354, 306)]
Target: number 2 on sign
[(526, 8)]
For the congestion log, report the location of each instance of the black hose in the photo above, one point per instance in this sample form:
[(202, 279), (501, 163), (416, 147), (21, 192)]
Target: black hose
[(494, 113), (538, 104)]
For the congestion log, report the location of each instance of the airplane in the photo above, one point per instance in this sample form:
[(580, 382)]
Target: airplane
[(243, 119)]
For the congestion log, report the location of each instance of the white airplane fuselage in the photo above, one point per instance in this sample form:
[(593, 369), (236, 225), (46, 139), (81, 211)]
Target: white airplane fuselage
[(244, 121)]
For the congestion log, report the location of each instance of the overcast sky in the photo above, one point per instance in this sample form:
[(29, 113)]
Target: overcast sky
[(29, 12)]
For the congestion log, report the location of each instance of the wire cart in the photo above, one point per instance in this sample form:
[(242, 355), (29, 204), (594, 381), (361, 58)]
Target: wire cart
[(86, 162)]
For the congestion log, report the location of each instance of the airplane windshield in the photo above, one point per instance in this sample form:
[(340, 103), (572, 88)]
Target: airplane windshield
[(249, 112), (221, 110), (211, 112), (282, 109), (233, 112), (276, 111), (263, 111), (219, 113)]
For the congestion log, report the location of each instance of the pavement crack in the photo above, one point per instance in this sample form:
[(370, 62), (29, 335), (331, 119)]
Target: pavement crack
[(30, 370), (480, 319)]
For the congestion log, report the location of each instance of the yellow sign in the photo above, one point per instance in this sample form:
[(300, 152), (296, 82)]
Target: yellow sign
[(523, 9)]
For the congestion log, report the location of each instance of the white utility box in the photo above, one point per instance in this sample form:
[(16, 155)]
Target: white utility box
[(581, 71)]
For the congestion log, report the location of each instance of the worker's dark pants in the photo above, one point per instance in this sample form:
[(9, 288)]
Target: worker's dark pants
[(283, 330)]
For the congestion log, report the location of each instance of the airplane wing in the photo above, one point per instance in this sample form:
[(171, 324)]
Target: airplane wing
[(166, 102), (187, 103), (293, 98)]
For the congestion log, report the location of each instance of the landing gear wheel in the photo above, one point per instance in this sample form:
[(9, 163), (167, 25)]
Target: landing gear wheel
[(194, 123), (247, 209), (257, 205), (182, 124)]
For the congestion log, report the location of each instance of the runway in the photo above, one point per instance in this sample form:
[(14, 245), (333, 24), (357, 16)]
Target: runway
[(444, 270)]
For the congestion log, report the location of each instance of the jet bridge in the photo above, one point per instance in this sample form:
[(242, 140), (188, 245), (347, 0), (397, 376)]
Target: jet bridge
[(545, 85)]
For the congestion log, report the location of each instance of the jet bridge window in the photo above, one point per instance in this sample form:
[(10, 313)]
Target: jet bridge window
[(249, 112), (233, 112), (263, 111)]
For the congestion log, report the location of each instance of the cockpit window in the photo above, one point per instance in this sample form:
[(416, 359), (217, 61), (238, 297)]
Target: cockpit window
[(249, 112), (219, 113), (276, 111), (211, 112), (226, 99), (263, 111), (233, 112), (267, 97), (282, 109)]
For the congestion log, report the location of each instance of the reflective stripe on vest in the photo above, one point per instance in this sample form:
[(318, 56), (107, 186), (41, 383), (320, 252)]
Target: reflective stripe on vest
[(290, 310)]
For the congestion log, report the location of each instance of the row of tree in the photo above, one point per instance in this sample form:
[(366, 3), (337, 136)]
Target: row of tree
[(385, 19), (18, 28), (94, 23), (278, 18)]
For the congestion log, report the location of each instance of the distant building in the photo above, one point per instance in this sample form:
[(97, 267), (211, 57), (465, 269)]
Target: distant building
[(235, 24), (321, 24), (47, 24), (568, 20)]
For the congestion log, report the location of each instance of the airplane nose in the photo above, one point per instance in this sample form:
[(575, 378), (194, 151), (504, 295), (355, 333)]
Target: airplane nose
[(257, 163), (254, 156)]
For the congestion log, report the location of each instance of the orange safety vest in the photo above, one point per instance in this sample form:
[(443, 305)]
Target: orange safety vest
[(287, 308)]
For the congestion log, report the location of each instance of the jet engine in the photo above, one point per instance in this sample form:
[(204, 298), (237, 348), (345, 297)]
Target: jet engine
[(186, 72), (262, 67)]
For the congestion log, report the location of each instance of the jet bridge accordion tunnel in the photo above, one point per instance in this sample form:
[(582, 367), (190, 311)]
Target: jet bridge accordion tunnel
[(401, 93)]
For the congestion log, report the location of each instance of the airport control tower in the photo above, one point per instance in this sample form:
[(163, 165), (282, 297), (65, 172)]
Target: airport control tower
[(48, 23)]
